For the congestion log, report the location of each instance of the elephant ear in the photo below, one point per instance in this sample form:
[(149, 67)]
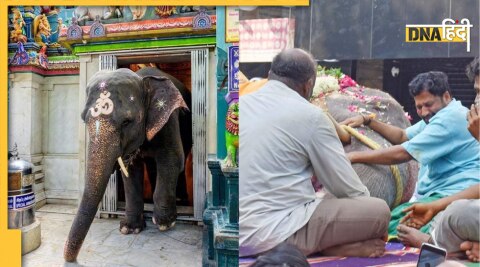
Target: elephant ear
[(164, 98)]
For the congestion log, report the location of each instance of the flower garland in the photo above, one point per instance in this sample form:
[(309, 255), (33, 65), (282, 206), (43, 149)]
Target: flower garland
[(333, 80)]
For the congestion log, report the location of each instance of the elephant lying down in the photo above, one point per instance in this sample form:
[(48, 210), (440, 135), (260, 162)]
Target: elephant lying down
[(379, 179), (136, 117)]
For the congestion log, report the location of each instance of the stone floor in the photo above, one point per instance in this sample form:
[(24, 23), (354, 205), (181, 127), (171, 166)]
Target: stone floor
[(105, 246)]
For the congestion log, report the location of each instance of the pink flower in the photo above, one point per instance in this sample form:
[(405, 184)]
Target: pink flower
[(362, 132), (346, 81), (360, 97), (353, 108), (408, 116)]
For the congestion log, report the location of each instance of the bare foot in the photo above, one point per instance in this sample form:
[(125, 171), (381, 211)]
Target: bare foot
[(411, 237), (370, 248), (472, 249)]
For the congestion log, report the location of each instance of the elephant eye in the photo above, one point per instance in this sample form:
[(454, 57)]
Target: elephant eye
[(127, 122)]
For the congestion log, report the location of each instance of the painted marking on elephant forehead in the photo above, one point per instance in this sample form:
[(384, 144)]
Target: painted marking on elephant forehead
[(160, 104), (103, 105)]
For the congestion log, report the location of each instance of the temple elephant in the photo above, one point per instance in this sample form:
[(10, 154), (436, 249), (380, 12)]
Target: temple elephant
[(132, 119), (379, 179)]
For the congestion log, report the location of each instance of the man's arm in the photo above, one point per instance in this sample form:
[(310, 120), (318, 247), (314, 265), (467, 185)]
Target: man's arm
[(386, 156), (330, 163), (473, 192), (393, 134), (344, 136), (421, 213)]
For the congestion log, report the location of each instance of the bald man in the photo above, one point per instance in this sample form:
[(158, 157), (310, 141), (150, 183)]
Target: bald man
[(284, 141)]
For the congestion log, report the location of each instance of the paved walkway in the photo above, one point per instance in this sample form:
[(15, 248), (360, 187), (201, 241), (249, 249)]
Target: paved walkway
[(105, 246)]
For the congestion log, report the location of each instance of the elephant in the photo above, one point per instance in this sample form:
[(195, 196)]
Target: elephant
[(378, 179), (134, 119)]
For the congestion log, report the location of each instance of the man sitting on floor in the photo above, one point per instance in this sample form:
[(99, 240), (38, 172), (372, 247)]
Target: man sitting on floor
[(457, 229), (284, 141), (448, 155)]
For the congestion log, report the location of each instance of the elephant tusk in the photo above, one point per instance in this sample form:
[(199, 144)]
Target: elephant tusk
[(122, 166)]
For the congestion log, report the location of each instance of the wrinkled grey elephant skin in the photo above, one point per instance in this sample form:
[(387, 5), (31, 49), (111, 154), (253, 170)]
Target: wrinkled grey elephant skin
[(378, 178), (138, 117)]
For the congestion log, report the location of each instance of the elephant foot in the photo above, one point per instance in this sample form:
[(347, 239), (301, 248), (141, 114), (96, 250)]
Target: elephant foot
[(163, 227), (128, 226)]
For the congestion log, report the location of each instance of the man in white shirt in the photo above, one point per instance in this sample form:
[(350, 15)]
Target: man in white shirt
[(284, 141)]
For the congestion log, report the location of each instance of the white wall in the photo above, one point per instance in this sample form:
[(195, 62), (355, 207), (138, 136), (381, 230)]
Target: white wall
[(24, 114), (44, 124), (24, 124), (61, 116)]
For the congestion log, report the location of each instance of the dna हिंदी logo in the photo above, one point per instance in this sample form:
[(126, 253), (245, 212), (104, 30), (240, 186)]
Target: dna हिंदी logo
[(449, 31)]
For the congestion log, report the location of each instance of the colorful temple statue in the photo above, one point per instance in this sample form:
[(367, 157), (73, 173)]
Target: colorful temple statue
[(21, 56), (48, 10), (42, 30), (165, 11), (56, 30), (18, 32), (42, 57), (138, 12), (90, 13), (231, 135)]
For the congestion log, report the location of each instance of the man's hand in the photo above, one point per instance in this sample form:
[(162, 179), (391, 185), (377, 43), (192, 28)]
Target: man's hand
[(473, 118), (419, 214), (351, 156), (354, 121)]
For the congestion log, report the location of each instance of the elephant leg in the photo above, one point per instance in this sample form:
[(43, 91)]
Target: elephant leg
[(169, 159), (133, 221), (169, 166), (182, 194)]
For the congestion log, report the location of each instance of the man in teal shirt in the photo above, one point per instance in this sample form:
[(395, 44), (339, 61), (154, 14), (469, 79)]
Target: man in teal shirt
[(447, 153)]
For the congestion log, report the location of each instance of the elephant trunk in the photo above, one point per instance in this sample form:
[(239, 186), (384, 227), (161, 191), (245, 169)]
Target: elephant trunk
[(103, 150)]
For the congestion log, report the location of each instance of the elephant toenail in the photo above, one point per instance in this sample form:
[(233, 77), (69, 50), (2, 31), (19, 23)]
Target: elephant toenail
[(124, 230)]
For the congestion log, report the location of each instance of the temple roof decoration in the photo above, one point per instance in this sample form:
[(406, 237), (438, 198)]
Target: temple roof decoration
[(74, 32), (97, 29), (202, 21), (166, 27), (52, 32)]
